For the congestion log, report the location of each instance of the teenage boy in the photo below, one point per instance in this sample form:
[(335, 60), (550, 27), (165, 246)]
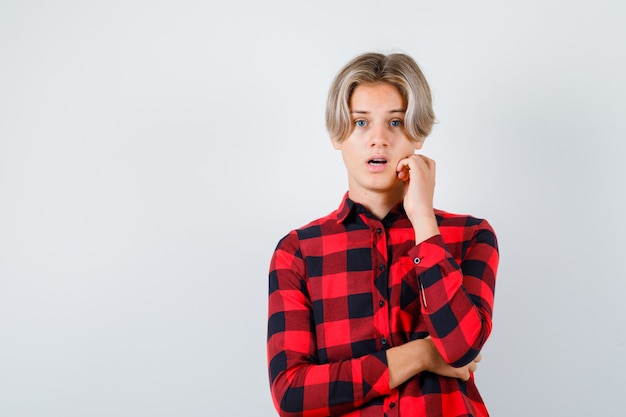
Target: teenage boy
[(382, 307)]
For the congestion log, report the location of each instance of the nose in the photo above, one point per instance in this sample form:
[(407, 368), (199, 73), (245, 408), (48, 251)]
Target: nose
[(379, 135)]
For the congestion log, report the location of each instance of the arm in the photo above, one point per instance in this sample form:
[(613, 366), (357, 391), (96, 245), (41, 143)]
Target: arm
[(457, 300), (408, 360), (300, 385)]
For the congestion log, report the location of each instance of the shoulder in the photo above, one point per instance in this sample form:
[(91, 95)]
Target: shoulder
[(317, 228), (464, 227), (293, 249), (448, 219)]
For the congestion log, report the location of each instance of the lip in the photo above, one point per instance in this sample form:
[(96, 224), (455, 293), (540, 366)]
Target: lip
[(377, 167)]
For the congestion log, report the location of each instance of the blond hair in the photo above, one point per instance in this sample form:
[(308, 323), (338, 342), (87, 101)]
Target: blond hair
[(399, 70)]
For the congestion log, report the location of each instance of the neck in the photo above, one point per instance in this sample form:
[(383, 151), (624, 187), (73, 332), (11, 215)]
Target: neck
[(379, 204)]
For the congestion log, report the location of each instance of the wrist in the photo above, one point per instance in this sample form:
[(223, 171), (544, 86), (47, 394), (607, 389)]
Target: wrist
[(422, 355), (424, 226), (423, 350), (404, 362)]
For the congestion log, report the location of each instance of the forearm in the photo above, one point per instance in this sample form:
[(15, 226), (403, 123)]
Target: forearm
[(417, 356), (425, 226), (406, 361), (325, 386), (459, 328), (457, 293), (334, 388)]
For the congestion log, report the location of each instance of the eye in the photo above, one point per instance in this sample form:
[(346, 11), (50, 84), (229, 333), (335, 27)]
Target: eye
[(396, 123), (360, 123)]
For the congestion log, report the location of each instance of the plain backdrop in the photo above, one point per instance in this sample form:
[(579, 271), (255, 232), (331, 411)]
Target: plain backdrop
[(152, 154)]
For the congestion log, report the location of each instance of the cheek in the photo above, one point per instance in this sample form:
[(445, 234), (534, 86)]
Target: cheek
[(413, 146), (350, 155), (409, 149)]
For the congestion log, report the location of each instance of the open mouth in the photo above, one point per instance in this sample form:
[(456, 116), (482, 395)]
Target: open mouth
[(377, 161)]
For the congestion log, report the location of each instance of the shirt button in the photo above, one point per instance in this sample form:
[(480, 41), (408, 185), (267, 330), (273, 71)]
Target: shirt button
[(391, 405), (381, 303), (416, 260), (379, 230), (383, 341), (382, 267)]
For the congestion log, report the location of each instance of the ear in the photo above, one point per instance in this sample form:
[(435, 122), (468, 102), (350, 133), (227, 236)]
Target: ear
[(336, 144), (419, 143)]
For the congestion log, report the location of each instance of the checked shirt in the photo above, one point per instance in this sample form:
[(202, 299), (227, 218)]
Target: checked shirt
[(348, 286)]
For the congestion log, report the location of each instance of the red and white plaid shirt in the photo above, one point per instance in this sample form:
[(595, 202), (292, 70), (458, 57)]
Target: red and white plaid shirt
[(348, 286)]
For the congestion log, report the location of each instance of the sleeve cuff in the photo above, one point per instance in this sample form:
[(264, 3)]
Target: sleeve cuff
[(428, 253), (375, 376), (436, 271)]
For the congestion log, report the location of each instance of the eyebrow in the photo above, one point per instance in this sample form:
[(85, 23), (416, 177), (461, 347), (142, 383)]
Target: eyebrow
[(367, 112)]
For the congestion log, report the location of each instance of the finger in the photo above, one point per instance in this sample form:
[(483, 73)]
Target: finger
[(429, 165), (404, 175), (478, 358), (427, 160), (423, 163), (404, 169), (403, 164)]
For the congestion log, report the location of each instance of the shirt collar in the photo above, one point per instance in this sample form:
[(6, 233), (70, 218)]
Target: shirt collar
[(347, 208)]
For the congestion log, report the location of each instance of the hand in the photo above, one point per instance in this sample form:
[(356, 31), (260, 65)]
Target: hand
[(436, 364), (418, 174), (419, 355)]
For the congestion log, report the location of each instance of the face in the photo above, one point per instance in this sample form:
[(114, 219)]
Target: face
[(377, 142)]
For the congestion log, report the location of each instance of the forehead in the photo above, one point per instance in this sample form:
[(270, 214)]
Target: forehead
[(383, 96)]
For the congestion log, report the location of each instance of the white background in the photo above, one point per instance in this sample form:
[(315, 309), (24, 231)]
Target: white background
[(152, 154)]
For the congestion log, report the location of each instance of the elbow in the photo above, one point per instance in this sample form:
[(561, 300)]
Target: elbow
[(287, 404), (288, 401), (468, 357), (465, 350), (291, 403)]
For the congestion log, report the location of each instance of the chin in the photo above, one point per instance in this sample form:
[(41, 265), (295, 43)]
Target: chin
[(386, 187)]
